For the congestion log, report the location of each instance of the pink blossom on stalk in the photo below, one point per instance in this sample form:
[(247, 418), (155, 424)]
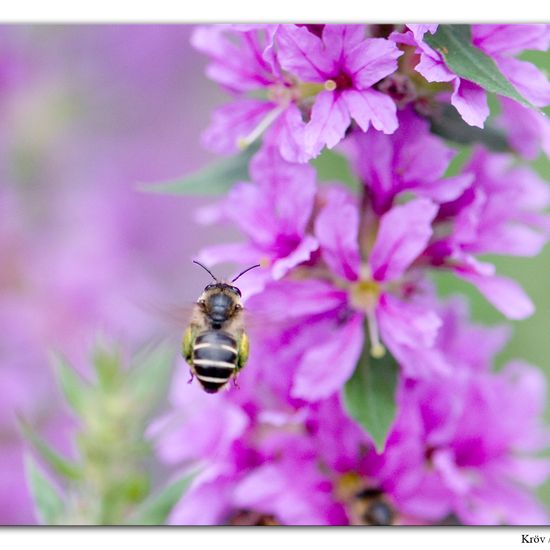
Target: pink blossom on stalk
[(501, 212), (327, 80), (348, 65), (458, 446), (380, 291), (501, 43), (462, 445), (411, 159), (274, 213)]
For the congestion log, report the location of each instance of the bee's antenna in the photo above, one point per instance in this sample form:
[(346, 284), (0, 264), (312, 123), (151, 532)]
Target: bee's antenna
[(243, 272), (206, 269)]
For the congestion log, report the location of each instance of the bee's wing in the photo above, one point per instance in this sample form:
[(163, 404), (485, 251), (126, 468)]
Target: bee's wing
[(171, 314)]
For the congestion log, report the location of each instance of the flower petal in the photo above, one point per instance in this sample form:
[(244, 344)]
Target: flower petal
[(329, 121), (370, 61), (302, 253), (505, 294), (337, 228), (470, 100), (327, 365), (403, 234), (371, 107), (302, 54)]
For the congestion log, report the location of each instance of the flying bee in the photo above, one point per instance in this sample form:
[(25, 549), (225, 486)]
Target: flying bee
[(370, 507), (365, 503), (215, 344)]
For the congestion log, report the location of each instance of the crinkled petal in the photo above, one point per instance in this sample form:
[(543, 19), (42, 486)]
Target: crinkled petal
[(370, 61), (470, 100), (302, 54), (340, 39), (403, 234), (329, 121), (327, 365), (371, 107)]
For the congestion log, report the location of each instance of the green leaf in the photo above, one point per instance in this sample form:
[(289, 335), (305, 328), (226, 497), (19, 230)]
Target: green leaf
[(214, 179), (454, 42), (58, 463), (156, 509), (107, 365), (332, 167), (448, 124), (74, 387), (369, 395), (48, 503)]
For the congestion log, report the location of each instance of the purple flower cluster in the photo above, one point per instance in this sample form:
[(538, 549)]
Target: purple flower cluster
[(344, 272), (459, 447)]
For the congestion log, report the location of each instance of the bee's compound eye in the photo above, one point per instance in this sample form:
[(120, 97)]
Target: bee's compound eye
[(236, 290), (209, 287)]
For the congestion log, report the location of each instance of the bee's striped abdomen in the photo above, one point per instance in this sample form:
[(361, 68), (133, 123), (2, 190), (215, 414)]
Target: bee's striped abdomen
[(214, 359)]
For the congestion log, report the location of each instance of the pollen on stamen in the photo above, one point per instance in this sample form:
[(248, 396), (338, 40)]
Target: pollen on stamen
[(330, 85), (377, 351)]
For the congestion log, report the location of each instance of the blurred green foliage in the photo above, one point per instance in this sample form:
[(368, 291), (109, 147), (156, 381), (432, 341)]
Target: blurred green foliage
[(109, 483)]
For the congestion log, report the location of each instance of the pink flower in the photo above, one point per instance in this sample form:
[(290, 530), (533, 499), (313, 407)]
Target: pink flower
[(500, 213), (411, 159), (348, 65), (501, 43), (327, 80), (274, 213), (381, 291), (458, 446)]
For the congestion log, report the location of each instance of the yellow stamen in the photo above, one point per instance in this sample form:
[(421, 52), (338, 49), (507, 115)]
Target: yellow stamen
[(378, 351), (330, 85)]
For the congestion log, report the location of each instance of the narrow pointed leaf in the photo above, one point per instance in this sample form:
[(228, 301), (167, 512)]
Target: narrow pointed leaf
[(156, 509), (74, 387), (454, 42), (48, 503), (369, 395), (107, 365), (57, 463), (215, 179)]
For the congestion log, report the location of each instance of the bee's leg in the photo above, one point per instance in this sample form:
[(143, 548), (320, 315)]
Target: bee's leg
[(235, 385), (192, 377), (242, 356), (187, 344)]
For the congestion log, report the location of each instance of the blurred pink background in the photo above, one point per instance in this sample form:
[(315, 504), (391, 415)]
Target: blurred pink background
[(88, 112)]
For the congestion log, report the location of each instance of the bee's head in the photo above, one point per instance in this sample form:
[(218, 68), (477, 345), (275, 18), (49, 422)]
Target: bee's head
[(220, 301)]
